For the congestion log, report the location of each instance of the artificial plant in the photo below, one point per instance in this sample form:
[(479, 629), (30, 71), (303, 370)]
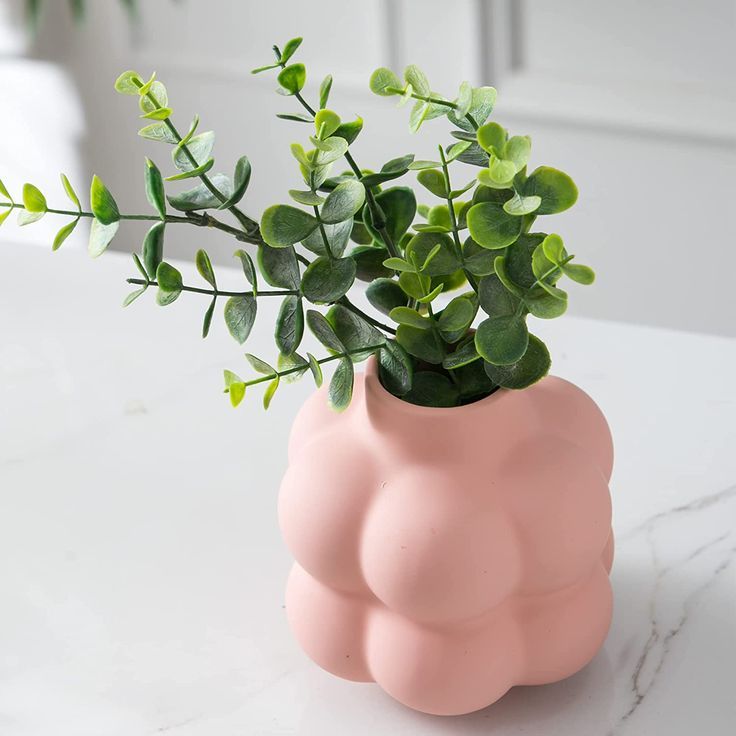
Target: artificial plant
[(473, 240)]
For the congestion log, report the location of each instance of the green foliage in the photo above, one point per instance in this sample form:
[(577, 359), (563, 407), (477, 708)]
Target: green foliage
[(471, 235)]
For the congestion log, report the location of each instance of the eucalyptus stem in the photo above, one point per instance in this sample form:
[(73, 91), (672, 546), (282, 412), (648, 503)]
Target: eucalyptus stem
[(250, 226), (192, 218), (217, 292), (302, 368), (453, 220)]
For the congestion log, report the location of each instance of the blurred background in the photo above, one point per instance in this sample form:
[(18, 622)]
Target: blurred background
[(636, 100)]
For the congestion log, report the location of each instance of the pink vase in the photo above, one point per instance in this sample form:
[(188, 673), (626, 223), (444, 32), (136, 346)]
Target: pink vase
[(449, 554)]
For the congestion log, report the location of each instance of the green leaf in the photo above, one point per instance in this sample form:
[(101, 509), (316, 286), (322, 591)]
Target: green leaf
[(369, 263), (323, 331), (358, 336), (418, 80), (200, 197), (265, 68), (385, 294), (158, 132), (495, 299), (419, 113), (422, 164), (241, 179), (432, 295), (240, 314), (155, 188), (443, 262), (100, 236), (399, 264), (6, 213), (422, 344), (139, 266), (169, 284), (542, 267), (432, 389), (529, 369), (316, 369), (204, 266), (478, 260), (160, 113), (343, 202), (293, 78), (147, 86), (454, 151), (158, 91), (392, 169), (231, 378), (289, 48), (128, 83), (384, 82), (456, 317), (236, 390), (406, 316), (26, 218), (338, 236), (491, 227), (130, 298), (70, 193), (283, 225), (270, 392), (208, 317), (203, 169), (434, 181), (329, 151), (291, 362), (499, 266), (554, 248), (327, 280), (579, 273), (502, 340), (517, 149), (349, 131), (546, 305), (279, 266), (295, 117), (464, 355), (482, 101), (5, 193), (307, 198), (492, 137), (415, 285), (153, 248), (324, 91), (519, 258), (33, 199), (326, 122), (395, 368), (260, 366), (399, 207), (519, 205), (340, 391), (464, 99), (249, 268), (289, 325), (555, 188), (64, 233)]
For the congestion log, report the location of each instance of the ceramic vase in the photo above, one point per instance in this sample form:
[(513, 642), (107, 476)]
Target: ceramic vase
[(450, 554)]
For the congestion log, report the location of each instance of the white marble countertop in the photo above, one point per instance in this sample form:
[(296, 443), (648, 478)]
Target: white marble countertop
[(141, 569)]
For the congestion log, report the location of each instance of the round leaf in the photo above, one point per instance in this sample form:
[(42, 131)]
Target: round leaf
[(491, 227), (422, 344), (384, 82), (555, 188), (327, 280), (432, 389), (343, 202), (532, 366), (502, 340), (33, 199), (283, 225), (434, 181), (385, 294), (293, 78)]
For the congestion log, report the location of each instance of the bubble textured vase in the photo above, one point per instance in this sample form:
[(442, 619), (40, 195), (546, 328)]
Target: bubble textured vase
[(450, 554)]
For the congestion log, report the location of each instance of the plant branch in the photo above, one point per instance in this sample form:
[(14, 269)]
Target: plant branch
[(302, 368), (217, 292), (453, 221)]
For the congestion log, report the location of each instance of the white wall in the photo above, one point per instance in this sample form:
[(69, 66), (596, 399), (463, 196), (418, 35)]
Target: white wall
[(635, 99)]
